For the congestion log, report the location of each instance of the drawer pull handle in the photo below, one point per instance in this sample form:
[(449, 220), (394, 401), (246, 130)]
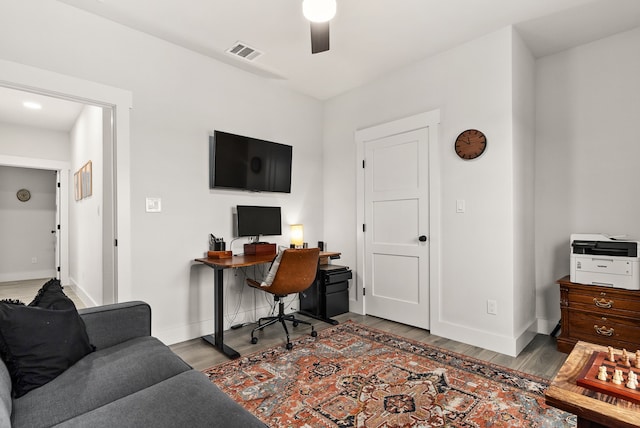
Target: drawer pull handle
[(604, 331), (606, 304)]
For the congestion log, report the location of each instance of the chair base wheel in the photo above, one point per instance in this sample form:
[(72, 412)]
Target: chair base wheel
[(314, 333), (254, 340), (289, 346)]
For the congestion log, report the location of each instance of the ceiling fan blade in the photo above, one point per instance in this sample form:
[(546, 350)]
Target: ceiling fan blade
[(319, 37)]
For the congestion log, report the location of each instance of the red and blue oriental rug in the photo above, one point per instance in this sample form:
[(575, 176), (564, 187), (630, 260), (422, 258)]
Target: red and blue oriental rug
[(355, 376)]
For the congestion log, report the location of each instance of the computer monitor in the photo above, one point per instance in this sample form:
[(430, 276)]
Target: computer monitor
[(258, 221)]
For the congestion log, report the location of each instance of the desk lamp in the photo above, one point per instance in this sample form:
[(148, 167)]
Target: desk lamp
[(297, 236)]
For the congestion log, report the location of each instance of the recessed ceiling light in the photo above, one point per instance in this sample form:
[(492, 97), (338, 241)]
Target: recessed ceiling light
[(31, 105)]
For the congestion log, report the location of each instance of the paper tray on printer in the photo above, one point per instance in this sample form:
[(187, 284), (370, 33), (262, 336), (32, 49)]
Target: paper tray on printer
[(606, 248)]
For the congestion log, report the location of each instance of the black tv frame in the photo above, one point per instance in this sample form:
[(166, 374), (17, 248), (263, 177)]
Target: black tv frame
[(245, 163)]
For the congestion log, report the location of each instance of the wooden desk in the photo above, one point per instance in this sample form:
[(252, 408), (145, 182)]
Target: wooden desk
[(326, 255), (219, 265), (593, 409)]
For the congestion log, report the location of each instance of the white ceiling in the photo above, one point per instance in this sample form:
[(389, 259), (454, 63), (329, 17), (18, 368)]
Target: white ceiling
[(369, 38), (56, 114)]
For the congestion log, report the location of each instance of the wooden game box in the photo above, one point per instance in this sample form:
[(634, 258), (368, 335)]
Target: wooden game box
[(219, 254), (588, 377)]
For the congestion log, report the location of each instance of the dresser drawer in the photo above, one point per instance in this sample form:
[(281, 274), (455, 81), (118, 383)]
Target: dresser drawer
[(596, 328), (602, 315), (604, 302)]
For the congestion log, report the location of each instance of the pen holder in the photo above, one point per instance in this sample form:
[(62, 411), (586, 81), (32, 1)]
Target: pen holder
[(217, 246)]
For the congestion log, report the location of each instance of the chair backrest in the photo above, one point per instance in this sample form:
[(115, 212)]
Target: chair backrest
[(297, 271)]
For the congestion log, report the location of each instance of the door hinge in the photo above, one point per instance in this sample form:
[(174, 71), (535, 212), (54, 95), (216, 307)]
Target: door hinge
[(58, 227), (115, 242), (58, 184), (364, 291), (364, 227), (363, 163), (58, 268)]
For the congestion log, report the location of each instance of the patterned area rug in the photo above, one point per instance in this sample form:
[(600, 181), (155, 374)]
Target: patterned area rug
[(355, 376)]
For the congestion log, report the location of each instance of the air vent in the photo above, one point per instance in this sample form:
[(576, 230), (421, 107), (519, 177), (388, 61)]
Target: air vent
[(244, 51)]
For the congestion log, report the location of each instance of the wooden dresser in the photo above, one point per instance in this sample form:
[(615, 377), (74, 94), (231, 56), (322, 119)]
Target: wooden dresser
[(602, 315)]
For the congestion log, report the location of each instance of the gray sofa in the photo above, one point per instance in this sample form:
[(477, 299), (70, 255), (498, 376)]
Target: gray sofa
[(131, 380)]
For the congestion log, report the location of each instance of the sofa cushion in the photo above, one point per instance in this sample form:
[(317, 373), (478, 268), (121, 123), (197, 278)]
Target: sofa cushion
[(185, 400), (98, 379), (5, 396), (38, 344)]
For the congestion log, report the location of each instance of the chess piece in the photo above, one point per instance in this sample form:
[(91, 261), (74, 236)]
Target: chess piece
[(617, 377), (602, 373), (625, 358), (633, 380), (637, 365), (612, 357)]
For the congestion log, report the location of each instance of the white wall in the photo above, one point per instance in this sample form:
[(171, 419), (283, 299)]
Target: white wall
[(587, 151), (85, 215), (27, 246), (28, 142), (524, 312), (472, 86), (179, 97)]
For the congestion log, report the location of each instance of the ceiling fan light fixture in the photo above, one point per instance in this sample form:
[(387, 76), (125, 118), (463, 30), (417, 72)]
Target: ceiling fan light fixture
[(319, 10)]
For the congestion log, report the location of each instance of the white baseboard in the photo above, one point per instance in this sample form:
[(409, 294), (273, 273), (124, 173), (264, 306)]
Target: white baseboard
[(26, 276), (183, 333), (546, 326), (82, 295), (507, 345)]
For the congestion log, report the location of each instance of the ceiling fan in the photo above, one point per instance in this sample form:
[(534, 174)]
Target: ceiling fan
[(319, 13)]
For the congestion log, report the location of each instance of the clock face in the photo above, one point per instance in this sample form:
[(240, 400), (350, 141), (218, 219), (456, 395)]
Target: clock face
[(470, 144), (23, 195)]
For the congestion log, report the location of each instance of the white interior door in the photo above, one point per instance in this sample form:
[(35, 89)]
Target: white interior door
[(396, 199)]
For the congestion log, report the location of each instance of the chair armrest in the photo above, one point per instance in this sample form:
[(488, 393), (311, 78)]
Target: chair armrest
[(109, 325)]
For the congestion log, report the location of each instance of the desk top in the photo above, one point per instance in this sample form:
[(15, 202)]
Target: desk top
[(248, 260), (237, 261), (565, 394)]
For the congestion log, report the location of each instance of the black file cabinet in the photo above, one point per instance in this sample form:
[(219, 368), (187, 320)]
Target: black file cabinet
[(328, 296)]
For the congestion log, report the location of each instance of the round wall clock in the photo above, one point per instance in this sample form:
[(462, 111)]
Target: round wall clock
[(470, 144), (23, 195)]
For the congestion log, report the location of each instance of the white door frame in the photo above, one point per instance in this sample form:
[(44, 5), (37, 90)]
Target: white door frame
[(430, 120), (26, 78)]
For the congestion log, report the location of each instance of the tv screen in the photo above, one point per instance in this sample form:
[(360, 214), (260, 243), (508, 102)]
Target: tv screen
[(257, 221), (237, 162)]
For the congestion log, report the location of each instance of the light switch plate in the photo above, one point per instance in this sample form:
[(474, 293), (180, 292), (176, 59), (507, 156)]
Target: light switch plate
[(460, 205), (154, 205)]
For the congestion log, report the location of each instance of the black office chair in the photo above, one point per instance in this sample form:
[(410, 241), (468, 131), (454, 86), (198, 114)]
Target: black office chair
[(295, 273)]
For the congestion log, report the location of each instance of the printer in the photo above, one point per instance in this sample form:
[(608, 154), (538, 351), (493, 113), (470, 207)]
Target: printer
[(597, 259)]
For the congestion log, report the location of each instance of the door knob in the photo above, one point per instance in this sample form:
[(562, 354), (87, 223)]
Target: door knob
[(422, 238)]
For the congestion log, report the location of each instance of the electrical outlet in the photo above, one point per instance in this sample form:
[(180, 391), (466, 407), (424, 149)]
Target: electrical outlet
[(34, 260), (492, 307)]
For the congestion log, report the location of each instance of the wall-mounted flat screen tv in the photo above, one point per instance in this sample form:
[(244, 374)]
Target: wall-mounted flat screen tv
[(245, 163)]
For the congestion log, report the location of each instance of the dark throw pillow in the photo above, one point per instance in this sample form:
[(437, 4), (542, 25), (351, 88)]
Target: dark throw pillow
[(51, 296), (40, 341)]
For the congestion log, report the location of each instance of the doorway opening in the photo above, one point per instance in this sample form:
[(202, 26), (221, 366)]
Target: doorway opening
[(398, 206), (78, 226), (112, 204)]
